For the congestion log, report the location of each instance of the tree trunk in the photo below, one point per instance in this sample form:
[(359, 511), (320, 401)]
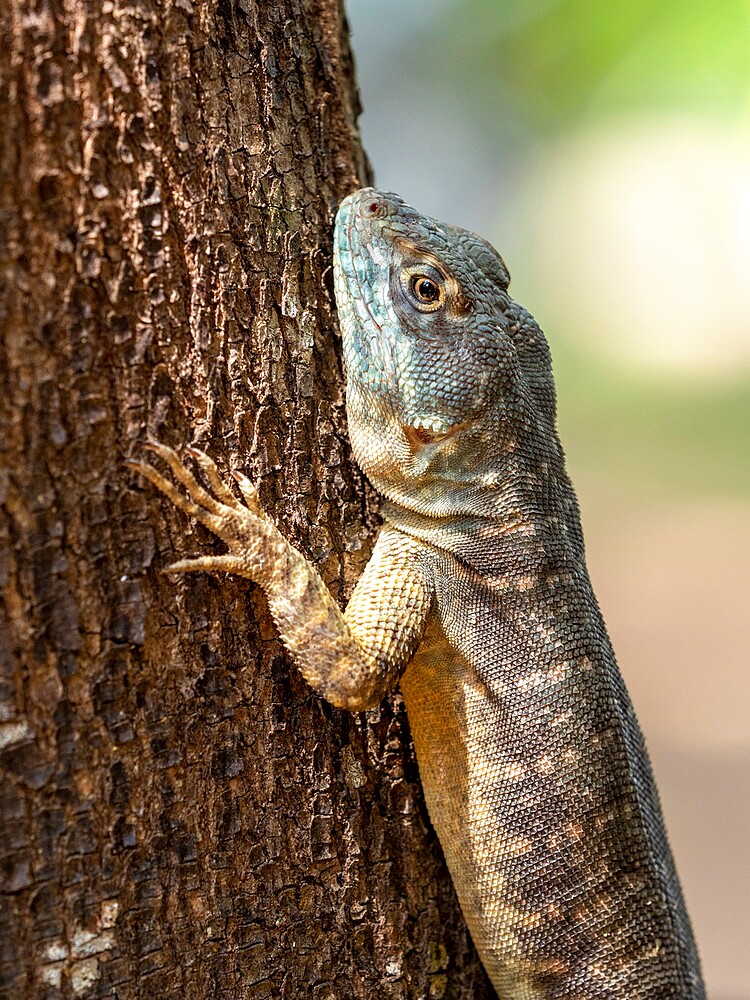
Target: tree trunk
[(181, 817)]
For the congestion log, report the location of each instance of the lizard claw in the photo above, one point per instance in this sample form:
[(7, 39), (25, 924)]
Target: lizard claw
[(172, 493), (210, 564), (220, 511), (195, 490), (249, 494), (218, 485)]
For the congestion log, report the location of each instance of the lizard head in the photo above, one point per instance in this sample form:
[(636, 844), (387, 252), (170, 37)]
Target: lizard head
[(446, 376)]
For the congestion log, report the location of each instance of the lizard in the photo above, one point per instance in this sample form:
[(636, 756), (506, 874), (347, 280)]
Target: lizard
[(477, 600)]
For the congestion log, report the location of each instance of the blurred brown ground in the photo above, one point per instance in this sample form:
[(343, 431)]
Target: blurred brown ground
[(673, 585)]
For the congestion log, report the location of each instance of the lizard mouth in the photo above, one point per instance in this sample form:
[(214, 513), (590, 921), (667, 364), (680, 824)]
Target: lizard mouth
[(425, 432)]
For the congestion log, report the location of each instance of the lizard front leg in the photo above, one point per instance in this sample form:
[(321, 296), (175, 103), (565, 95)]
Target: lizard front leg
[(351, 659)]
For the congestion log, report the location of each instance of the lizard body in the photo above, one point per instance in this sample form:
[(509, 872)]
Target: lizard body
[(477, 598)]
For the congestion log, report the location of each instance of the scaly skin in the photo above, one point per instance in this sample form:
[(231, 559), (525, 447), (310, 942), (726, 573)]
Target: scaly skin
[(477, 597)]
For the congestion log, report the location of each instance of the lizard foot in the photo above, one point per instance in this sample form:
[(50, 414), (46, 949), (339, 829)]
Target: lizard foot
[(251, 537)]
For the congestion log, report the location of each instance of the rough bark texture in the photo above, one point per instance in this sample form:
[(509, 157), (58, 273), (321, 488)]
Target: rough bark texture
[(181, 818)]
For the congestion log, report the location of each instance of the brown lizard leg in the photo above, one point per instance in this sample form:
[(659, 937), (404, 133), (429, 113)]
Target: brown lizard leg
[(352, 658)]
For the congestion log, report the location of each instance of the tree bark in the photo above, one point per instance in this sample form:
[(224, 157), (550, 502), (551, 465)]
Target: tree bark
[(181, 817)]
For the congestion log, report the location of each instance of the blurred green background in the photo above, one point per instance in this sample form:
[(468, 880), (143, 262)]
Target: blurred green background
[(605, 150)]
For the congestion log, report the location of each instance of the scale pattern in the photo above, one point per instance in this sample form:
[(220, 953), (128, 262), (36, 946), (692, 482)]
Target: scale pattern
[(477, 598)]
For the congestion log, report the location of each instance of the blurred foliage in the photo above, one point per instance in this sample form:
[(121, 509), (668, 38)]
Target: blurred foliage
[(553, 61), (662, 438)]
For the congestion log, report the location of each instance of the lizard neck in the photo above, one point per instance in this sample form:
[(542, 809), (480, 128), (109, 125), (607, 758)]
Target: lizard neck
[(529, 525)]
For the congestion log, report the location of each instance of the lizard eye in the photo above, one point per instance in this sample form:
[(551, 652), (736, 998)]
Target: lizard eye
[(428, 294)]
